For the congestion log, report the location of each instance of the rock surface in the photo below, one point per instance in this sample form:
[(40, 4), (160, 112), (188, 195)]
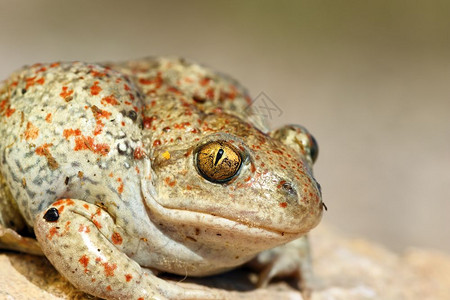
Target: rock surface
[(345, 269)]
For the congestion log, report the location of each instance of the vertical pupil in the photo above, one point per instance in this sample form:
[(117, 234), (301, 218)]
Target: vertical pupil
[(218, 156)]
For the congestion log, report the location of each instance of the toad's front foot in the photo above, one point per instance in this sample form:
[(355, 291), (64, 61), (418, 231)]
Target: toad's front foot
[(81, 241), (292, 260)]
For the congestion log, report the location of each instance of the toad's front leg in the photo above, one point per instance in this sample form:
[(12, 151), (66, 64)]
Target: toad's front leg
[(291, 260), (83, 243)]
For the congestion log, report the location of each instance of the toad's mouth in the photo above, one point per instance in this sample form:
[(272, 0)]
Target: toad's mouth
[(223, 226), (212, 221)]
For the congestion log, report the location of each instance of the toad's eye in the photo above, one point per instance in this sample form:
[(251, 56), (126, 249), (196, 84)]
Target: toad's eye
[(218, 161), (314, 149)]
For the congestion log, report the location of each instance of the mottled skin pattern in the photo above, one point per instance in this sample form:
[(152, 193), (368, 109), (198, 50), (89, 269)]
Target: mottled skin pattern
[(113, 148)]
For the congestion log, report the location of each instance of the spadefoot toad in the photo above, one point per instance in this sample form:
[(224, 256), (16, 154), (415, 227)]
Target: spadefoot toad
[(123, 170)]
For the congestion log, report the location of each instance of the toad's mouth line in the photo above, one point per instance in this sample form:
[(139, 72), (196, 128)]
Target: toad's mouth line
[(219, 222), (216, 221)]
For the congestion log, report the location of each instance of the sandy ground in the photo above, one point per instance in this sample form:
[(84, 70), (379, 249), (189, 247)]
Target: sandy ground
[(345, 269)]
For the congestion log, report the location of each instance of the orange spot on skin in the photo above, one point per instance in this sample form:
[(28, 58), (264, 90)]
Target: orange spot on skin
[(210, 93), (48, 118), (174, 90), (98, 212), (100, 113), (32, 81), (147, 121), (126, 87), (87, 143), (66, 227), (84, 228), (98, 127), (52, 232), (66, 94), (276, 151), (86, 206), (116, 238), (281, 183), (43, 151), (3, 104), (170, 182), (31, 132), (188, 187), (120, 188), (60, 209), (97, 224), (188, 79), (54, 65), (283, 204), (97, 74), (137, 170), (188, 153), (109, 269), (67, 201), (111, 174), (156, 143), (205, 81), (9, 112), (157, 81), (138, 153), (84, 261), (71, 132), (59, 202), (110, 100), (108, 288), (95, 89), (128, 277), (140, 298)]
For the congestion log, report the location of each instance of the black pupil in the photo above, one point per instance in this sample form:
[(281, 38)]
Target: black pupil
[(218, 156)]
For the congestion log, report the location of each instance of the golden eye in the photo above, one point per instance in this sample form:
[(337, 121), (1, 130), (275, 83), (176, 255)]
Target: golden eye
[(218, 161)]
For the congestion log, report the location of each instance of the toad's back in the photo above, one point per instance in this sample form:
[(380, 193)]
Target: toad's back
[(75, 129)]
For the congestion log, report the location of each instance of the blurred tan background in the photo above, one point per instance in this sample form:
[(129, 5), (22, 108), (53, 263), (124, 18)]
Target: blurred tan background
[(370, 79)]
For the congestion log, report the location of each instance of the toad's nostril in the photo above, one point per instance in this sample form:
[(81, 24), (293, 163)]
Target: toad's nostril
[(289, 188)]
